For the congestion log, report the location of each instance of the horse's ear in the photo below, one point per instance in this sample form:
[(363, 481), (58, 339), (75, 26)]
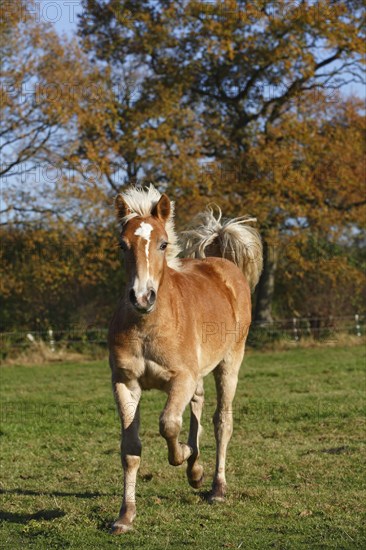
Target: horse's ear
[(121, 207), (162, 209)]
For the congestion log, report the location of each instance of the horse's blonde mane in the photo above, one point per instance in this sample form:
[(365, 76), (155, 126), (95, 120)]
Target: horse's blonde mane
[(141, 202), (236, 240)]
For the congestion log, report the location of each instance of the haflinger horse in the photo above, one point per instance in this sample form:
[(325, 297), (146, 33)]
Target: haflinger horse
[(179, 320)]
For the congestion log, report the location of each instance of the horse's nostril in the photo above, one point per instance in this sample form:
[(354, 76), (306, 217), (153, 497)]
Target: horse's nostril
[(151, 297), (132, 296)]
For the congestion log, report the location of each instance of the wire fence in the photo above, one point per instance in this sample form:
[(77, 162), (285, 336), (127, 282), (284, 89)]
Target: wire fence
[(296, 330), (293, 330)]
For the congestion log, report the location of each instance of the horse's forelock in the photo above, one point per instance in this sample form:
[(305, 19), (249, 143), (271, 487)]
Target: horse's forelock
[(141, 203)]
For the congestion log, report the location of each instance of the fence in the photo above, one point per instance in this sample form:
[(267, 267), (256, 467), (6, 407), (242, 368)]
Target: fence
[(294, 330)]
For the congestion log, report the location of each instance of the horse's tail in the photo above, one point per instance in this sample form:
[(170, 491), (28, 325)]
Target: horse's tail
[(233, 239)]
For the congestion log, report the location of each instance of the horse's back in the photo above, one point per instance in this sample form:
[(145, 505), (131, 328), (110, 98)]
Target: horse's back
[(215, 297), (213, 279)]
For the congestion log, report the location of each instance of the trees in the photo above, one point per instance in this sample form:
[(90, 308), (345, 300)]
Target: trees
[(320, 278), (306, 176), (244, 75), (237, 64), (56, 255), (46, 91), (26, 126), (227, 102), (57, 277)]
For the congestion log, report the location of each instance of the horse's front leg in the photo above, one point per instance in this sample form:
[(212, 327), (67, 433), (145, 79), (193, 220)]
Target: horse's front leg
[(127, 398), (194, 469), (180, 393)]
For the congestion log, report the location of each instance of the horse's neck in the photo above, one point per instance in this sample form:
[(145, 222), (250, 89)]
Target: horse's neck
[(165, 290)]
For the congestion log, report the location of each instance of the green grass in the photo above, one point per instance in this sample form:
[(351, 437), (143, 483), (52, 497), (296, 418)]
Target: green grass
[(294, 468)]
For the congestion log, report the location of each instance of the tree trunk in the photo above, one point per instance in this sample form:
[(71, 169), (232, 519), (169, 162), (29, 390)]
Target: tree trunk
[(263, 308)]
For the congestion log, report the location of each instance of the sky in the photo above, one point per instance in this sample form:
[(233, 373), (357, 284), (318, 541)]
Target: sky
[(62, 13)]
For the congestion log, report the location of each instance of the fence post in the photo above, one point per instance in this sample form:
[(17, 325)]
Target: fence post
[(52, 340), (31, 338), (358, 326), (295, 331)]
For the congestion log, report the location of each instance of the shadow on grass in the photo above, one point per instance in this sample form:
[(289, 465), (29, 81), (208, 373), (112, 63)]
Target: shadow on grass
[(86, 494), (24, 518), (105, 523), (204, 495)]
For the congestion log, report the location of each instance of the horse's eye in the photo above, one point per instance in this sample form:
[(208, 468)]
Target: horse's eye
[(163, 246), (123, 245)]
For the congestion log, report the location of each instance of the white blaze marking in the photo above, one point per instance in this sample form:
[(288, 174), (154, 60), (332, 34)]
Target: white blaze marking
[(144, 231)]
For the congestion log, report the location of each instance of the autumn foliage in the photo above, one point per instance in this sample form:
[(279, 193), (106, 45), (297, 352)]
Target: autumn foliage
[(237, 103)]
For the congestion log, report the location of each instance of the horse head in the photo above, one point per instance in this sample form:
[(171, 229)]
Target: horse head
[(144, 240)]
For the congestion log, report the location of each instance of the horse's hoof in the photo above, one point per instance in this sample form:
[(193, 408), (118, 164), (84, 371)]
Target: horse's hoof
[(185, 453), (196, 483), (195, 476), (217, 494), (212, 499), (120, 528)]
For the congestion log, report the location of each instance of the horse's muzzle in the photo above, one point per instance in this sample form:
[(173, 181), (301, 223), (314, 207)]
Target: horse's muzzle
[(144, 303)]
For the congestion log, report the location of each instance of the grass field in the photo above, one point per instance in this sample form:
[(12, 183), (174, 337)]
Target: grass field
[(295, 464)]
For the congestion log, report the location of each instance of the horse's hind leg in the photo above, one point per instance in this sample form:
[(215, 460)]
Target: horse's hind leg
[(180, 394), (194, 469), (226, 378), (127, 398)]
